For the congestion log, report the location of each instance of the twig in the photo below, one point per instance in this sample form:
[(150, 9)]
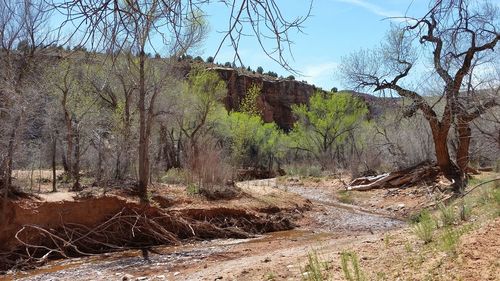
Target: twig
[(483, 183)]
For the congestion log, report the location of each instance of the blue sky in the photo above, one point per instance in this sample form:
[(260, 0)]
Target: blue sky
[(335, 28)]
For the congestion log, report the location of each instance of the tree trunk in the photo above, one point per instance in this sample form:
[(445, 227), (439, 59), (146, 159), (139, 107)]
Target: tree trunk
[(100, 160), (54, 176), (118, 174), (69, 143), (450, 170), (76, 166), (125, 165), (143, 136), (464, 136), (6, 166)]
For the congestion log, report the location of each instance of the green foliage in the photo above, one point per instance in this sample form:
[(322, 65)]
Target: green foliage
[(192, 189), (447, 215), (303, 170), (449, 240), (350, 266), (210, 59), (200, 99), (315, 269), (249, 103), (345, 196), (260, 70), (251, 141), (465, 211), (326, 123), (272, 74), (425, 227), (270, 276), (291, 77), (174, 176)]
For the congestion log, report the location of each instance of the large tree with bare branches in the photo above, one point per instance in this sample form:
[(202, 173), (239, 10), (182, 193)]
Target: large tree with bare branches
[(458, 38), (24, 39)]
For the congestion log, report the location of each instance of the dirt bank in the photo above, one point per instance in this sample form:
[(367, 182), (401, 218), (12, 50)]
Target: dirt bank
[(34, 231)]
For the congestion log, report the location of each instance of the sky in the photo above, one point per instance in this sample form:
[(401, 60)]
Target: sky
[(334, 29)]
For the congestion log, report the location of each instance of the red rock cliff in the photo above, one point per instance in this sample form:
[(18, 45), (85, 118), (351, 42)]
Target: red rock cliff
[(277, 95)]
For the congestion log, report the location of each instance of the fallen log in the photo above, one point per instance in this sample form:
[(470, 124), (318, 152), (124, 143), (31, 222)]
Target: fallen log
[(423, 172)]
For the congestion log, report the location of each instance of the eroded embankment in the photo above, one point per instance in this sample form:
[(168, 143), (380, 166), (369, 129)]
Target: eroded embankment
[(33, 231)]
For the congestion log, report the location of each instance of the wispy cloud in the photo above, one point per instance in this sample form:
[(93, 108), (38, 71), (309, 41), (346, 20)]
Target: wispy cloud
[(320, 74), (375, 9)]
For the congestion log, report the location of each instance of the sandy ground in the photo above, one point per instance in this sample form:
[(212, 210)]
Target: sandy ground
[(384, 243), (329, 227)]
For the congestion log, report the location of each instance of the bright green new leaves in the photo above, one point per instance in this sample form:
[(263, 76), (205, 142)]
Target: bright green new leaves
[(249, 103), (326, 123), (252, 142), (199, 99)]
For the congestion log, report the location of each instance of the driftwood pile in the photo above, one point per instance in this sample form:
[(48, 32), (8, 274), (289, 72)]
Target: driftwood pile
[(425, 172), (134, 227)]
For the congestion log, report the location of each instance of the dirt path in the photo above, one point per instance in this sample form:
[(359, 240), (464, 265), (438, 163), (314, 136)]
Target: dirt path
[(328, 228)]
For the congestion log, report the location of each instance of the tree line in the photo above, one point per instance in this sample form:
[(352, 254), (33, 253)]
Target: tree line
[(115, 113)]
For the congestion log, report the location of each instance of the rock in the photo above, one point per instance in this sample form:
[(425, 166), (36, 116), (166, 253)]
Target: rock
[(268, 259), (127, 277), (277, 95)]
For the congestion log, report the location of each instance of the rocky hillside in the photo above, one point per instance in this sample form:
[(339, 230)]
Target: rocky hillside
[(277, 95)]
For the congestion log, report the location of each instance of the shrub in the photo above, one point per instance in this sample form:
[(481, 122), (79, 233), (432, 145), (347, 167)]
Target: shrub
[(345, 197), (449, 240), (315, 268), (174, 176), (424, 228), (303, 170), (350, 266), (447, 214), (217, 192), (192, 189), (465, 211)]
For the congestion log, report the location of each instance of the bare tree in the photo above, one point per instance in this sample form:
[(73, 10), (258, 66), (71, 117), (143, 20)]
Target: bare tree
[(458, 36), (23, 37), (118, 25), (262, 19)]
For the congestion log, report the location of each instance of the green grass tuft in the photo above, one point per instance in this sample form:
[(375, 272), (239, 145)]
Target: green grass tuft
[(350, 267), (425, 227), (315, 269), (447, 215)]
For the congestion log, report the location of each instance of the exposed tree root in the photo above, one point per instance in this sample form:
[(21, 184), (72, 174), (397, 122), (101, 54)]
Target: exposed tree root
[(134, 227)]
